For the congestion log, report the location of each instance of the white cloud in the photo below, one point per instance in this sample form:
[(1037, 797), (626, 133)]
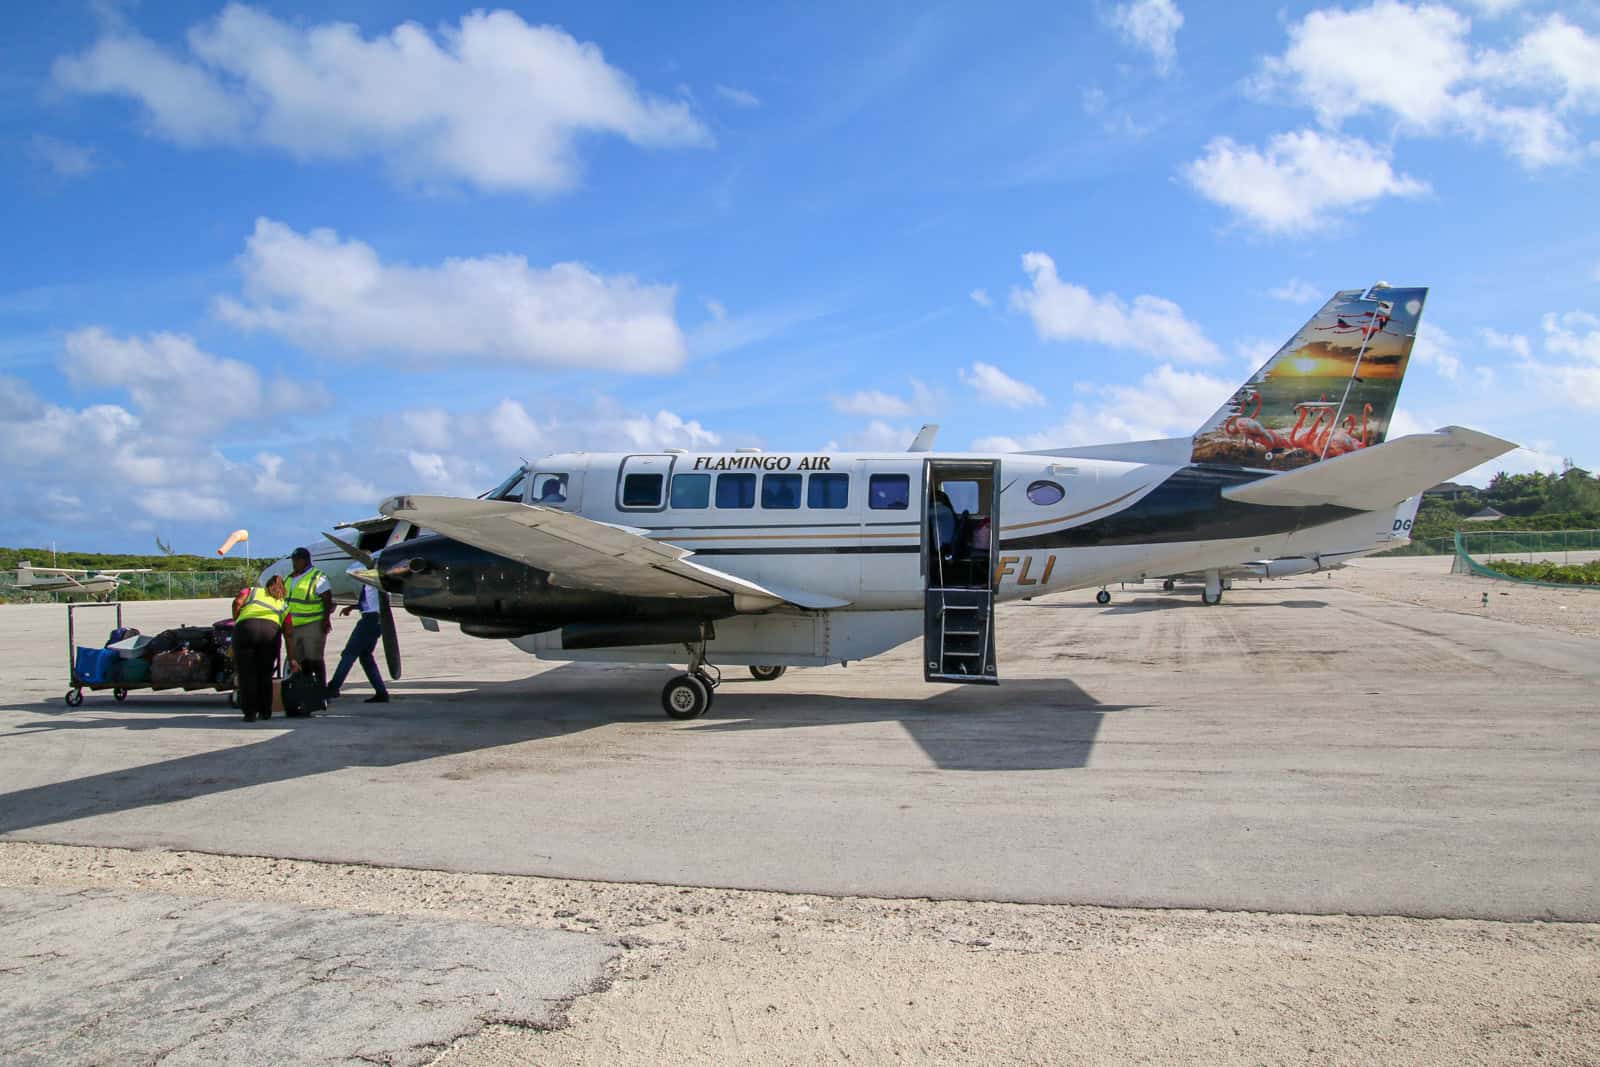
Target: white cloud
[(1415, 64), (1295, 291), (738, 97), (982, 299), (668, 430), (1166, 402), (1152, 25), (65, 159), (269, 482), (1062, 311), (876, 436), (1300, 182), (512, 428), (338, 296), (1505, 342), (1576, 333), (871, 402), (168, 376), (492, 100), (995, 386), (1437, 349)]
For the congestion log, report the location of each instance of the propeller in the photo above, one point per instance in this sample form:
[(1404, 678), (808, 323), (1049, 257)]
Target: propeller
[(367, 575), (391, 640)]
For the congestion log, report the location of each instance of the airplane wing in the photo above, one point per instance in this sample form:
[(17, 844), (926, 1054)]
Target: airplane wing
[(1376, 478), (582, 553)]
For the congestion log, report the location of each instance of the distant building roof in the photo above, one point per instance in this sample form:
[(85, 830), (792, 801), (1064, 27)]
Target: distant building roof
[(1450, 489), (1486, 515)]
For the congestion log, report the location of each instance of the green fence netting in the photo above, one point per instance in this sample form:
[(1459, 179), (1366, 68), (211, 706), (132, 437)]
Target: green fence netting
[(156, 585), (1562, 548)]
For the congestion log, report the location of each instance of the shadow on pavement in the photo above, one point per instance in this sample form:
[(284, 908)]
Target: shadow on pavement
[(1024, 725)]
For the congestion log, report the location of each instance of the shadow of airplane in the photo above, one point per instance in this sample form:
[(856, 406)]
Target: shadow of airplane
[(1025, 725)]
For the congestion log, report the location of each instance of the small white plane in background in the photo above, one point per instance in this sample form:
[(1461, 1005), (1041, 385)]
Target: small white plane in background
[(812, 558), (1386, 533), (68, 582)]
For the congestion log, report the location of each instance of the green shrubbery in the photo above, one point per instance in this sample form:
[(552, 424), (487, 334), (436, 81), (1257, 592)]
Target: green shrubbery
[(1546, 571)]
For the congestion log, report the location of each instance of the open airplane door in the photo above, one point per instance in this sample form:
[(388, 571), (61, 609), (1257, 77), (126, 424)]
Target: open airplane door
[(959, 529)]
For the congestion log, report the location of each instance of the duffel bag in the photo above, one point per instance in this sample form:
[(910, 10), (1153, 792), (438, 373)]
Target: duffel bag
[(183, 667), (195, 637), (94, 665)]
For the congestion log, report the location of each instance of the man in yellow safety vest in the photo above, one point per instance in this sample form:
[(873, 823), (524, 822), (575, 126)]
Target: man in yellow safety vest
[(311, 609)]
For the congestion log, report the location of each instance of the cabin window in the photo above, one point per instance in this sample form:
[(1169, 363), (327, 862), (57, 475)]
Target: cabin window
[(736, 490), (642, 490), (691, 490), (780, 491), (828, 491), (889, 492), (550, 489), (1045, 493)]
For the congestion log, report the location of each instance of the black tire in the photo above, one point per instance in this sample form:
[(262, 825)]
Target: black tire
[(767, 672), (1102, 597), (120, 694), (1168, 586), (74, 697), (685, 697)]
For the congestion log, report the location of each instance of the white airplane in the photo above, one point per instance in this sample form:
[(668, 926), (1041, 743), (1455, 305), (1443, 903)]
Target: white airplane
[(70, 582), (1385, 532), (813, 558)]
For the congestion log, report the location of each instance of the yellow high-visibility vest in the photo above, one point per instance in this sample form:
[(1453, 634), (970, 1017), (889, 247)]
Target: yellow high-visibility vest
[(263, 605), (305, 606)]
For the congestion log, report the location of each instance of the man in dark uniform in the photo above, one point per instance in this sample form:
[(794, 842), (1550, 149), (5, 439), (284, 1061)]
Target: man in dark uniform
[(363, 640)]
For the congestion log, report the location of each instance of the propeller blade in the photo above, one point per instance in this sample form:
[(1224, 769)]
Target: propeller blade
[(352, 551), (391, 640)]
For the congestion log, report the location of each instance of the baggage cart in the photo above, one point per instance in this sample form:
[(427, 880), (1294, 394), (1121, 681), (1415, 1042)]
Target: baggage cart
[(119, 689)]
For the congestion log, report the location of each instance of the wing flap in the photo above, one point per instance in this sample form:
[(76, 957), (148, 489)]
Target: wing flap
[(1379, 477)]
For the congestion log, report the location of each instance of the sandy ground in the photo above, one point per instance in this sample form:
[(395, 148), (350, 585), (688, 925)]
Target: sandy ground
[(729, 976), (1426, 581), (715, 975)]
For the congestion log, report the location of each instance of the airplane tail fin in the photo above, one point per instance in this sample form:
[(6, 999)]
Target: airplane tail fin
[(1330, 391)]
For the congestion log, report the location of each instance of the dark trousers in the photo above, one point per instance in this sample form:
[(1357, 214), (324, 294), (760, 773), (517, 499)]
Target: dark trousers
[(363, 639), (255, 652)]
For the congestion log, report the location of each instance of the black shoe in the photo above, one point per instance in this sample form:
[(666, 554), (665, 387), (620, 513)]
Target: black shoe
[(249, 716), (381, 698), (330, 694)]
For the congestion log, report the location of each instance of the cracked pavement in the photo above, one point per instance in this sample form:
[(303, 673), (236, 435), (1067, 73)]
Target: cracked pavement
[(136, 977)]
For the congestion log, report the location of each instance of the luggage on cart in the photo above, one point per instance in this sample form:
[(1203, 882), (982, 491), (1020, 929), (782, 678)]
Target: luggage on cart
[(182, 667), (303, 694), (94, 665), (128, 672)]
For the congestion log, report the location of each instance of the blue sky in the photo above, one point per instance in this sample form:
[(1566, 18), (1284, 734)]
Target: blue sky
[(269, 263)]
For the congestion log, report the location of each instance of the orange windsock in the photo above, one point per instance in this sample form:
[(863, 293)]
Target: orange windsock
[(233, 539)]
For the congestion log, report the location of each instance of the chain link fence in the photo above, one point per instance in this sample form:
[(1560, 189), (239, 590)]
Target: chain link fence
[(1532, 546), (156, 585)]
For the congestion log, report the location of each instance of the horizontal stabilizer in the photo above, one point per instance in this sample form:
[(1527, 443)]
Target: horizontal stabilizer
[(1378, 477)]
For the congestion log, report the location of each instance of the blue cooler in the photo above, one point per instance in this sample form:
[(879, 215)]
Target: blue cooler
[(95, 666)]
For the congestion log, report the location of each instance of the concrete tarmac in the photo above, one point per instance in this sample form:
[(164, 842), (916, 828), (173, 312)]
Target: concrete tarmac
[(1301, 748)]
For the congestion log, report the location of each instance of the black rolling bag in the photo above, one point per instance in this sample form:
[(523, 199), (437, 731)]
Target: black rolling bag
[(302, 695)]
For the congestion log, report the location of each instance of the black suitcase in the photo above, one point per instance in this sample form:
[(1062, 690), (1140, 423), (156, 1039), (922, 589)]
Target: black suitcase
[(302, 695)]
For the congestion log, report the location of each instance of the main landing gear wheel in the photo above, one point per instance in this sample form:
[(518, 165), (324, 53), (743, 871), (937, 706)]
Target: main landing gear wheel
[(1168, 586), (1103, 597), (686, 697), (768, 673), (73, 698)]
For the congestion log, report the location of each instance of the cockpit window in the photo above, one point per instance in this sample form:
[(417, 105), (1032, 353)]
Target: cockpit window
[(549, 490), (513, 488)]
